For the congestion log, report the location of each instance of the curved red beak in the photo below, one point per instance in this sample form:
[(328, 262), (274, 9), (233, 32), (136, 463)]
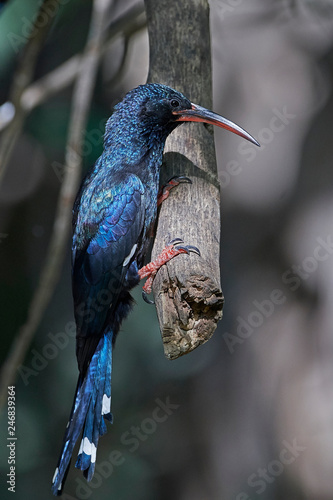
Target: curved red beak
[(199, 114)]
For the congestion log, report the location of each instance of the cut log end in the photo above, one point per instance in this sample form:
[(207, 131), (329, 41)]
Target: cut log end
[(188, 313)]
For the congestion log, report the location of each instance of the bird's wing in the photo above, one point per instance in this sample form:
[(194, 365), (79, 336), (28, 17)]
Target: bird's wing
[(105, 241)]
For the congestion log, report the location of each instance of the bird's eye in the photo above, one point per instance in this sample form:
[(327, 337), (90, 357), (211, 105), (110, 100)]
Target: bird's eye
[(174, 103)]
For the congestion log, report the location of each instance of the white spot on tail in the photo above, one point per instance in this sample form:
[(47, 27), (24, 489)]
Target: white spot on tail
[(88, 448), (93, 453), (54, 478), (130, 255), (55, 474), (106, 404)]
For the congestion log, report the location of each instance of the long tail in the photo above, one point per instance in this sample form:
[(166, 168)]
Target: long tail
[(92, 402)]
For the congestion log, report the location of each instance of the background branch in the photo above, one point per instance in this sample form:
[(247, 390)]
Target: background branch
[(23, 77), (49, 276), (187, 291), (61, 77)]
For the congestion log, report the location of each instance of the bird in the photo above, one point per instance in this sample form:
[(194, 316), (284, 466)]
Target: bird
[(113, 221)]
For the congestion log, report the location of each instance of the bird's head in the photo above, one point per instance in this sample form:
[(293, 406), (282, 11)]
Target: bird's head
[(155, 110)]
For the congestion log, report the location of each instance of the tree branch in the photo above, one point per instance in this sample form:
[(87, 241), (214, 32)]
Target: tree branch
[(64, 75), (23, 77), (49, 276), (187, 290), (58, 79)]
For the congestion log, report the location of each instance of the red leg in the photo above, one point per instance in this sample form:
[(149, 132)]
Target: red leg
[(170, 251), (173, 182)]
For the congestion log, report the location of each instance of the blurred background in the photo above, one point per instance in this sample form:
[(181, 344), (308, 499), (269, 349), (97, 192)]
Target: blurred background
[(249, 415)]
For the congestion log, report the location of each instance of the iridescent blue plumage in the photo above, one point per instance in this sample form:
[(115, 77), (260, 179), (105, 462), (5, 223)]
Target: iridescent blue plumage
[(113, 219), (112, 223)]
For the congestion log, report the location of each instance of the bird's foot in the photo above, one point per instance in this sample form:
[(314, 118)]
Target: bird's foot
[(166, 188), (169, 252)]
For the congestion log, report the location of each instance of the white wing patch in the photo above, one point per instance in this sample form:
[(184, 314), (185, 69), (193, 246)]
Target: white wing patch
[(130, 255)]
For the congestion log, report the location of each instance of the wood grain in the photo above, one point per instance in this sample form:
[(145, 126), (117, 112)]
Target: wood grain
[(187, 290)]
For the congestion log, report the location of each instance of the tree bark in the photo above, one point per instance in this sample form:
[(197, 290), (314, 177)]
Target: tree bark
[(187, 290)]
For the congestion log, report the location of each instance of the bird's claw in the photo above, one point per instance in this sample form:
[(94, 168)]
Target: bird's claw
[(146, 298), (174, 248), (175, 241), (178, 179), (186, 248), (190, 248), (171, 183)]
